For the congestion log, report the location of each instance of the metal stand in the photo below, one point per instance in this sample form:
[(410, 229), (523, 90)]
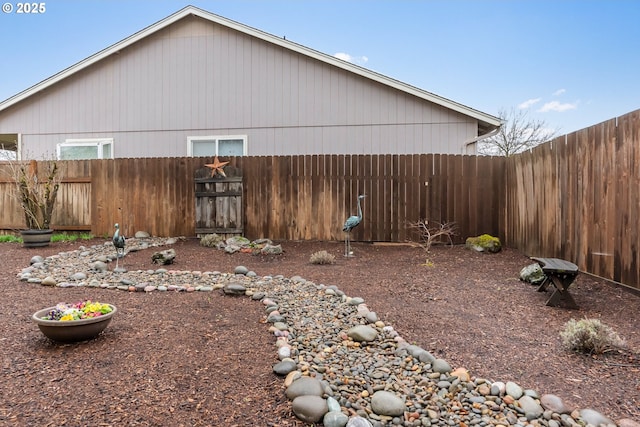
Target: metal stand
[(347, 245)]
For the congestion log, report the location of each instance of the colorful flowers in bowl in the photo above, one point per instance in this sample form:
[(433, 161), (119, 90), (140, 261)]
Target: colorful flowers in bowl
[(74, 322), (80, 310)]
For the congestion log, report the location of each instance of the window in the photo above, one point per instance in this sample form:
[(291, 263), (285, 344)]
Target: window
[(77, 149), (228, 145)]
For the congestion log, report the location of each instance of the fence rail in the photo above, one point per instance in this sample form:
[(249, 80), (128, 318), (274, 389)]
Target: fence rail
[(576, 197)]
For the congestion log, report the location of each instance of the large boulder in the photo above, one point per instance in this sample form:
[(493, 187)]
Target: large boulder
[(484, 243)]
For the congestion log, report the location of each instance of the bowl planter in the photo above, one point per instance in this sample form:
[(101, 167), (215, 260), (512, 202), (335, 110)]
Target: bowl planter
[(72, 330)]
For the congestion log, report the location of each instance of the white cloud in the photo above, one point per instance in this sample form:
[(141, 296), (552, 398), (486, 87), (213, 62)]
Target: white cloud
[(528, 103), (359, 60), (558, 106), (559, 92)]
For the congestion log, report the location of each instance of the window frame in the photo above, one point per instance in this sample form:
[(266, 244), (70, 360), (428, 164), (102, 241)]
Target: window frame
[(216, 139), (87, 142)]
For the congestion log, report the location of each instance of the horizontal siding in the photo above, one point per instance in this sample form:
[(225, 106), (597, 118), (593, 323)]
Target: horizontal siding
[(199, 78)]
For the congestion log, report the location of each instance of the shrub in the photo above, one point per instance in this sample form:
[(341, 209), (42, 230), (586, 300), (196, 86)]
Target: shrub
[(322, 257), (589, 336)]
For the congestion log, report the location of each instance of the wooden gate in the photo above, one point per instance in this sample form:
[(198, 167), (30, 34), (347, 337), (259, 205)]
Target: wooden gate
[(219, 203)]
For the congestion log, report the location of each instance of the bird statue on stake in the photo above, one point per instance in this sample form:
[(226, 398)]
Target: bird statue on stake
[(351, 223), (118, 242)]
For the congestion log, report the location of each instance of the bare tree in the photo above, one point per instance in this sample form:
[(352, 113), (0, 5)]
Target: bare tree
[(518, 133)]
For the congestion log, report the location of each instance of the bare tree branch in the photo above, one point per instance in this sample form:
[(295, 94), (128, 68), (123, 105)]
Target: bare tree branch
[(518, 133), (432, 233)]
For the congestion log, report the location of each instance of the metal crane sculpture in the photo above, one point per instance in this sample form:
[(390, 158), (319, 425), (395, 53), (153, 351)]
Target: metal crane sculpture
[(351, 223), (118, 242)]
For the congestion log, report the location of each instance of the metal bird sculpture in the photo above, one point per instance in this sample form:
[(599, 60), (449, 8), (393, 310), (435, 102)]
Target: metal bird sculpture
[(351, 223), (118, 242)]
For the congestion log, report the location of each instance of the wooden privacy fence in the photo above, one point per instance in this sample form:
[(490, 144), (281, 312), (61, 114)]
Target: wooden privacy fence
[(285, 197), (578, 197)]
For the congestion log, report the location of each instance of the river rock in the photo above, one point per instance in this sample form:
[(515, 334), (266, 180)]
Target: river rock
[(531, 408), (362, 333), (387, 403), (304, 386), (591, 416), (48, 281), (358, 421), (309, 408), (335, 419), (36, 259), (284, 367), (98, 266), (514, 390), (78, 276), (441, 366), (234, 289), (333, 405), (241, 269), (554, 404)]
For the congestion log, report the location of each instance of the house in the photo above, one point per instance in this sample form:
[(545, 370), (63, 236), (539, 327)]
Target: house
[(198, 84)]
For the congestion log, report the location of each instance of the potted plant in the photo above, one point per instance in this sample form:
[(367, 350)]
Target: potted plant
[(74, 322), (36, 194)]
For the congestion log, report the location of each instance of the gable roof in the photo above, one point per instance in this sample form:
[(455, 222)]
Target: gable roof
[(486, 122)]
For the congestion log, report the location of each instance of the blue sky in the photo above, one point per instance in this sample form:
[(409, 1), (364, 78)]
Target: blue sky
[(570, 63)]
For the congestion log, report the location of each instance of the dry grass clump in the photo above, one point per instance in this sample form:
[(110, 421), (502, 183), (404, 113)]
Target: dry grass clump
[(589, 336), (322, 258)]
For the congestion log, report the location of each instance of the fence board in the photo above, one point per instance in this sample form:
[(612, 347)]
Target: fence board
[(576, 198)]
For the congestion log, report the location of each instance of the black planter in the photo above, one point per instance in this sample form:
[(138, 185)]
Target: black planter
[(36, 238)]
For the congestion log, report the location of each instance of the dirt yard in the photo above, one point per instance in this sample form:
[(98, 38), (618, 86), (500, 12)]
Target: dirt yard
[(197, 359)]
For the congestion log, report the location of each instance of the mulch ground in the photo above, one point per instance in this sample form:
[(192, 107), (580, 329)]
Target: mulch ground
[(205, 359)]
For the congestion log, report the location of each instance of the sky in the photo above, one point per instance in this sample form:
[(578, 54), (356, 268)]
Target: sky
[(569, 63)]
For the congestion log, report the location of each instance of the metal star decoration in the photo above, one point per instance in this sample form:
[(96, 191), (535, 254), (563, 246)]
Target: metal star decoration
[(216, 167)]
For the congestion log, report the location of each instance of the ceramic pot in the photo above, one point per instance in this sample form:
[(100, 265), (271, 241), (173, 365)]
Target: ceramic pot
[(72, 330)]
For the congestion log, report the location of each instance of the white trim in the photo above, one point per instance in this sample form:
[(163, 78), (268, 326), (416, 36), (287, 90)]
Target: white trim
[(87, 142), (490, 120), (217, 139)]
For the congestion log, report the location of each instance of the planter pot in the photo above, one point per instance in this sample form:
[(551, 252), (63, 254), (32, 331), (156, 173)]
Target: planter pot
[(36, 238), (72, 330)]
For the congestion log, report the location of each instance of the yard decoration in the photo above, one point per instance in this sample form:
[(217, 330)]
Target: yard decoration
[(217, 167), (74, 322), (351, 223)]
